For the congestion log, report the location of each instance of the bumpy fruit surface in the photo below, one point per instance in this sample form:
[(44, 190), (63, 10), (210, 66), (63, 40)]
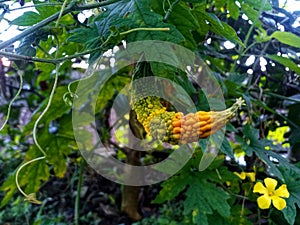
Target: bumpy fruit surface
[(175, 127)]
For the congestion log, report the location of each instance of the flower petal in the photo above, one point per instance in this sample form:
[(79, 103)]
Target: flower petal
[(241, 175), (282, 191), (270, 184), (264, 202), (278, 202), (260, 188), (251, 176)]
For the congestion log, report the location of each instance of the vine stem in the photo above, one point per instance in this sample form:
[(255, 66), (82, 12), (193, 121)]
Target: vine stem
[(71, 8), (12, 101), (53, 87), (45, 111), (31, 197), (61, 12), (145, 29), (42, 60)]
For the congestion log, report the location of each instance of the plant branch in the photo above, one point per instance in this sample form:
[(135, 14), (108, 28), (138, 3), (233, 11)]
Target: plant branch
[(68, 9), (51, 61)]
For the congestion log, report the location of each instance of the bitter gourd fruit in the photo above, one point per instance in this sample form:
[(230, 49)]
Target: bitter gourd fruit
[(177, 128)]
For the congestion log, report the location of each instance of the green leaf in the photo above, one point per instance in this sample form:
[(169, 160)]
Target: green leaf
[(220, 3), (285, 62), (46, 11), (30, 18), (196, 204), (194, 1), (136, 14), (31, 177), (56, 145), (226, 148), (175, 75), (27, 19), (34, 175), (262, 5), (233, 9), (292, 179), (184, 21), (113, 15), (80, 35), (287, 38), (171, 188), (199, 13), (58, 150), (259, 147), (57, 109), (204, 197), (223, 29), (252, 14), (237, 78), (26, 49), (9, 186), (145, 17)]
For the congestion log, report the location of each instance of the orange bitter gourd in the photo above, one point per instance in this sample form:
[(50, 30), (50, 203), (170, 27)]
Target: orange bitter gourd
[(175, 127)]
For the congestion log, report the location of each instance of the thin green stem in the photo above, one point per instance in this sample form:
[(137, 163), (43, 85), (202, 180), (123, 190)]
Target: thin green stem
[(61, 12), (145, 29), (12, 101), (248, 47), (77, 200), (50, 98), (31, 197), (45, 110), (13, 56)]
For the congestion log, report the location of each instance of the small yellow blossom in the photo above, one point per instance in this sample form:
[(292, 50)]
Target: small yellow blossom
[(270, 194), (243, 175)]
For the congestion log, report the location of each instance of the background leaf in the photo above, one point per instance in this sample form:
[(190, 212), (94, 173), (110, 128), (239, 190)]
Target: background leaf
[(285, 62), (287, 38)]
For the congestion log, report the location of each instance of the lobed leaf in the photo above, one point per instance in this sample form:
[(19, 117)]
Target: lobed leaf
[(204, 197), (171, 188)]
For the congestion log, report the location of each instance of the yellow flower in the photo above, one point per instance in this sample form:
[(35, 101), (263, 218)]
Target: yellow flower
[(243, 175), (270, 194)]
